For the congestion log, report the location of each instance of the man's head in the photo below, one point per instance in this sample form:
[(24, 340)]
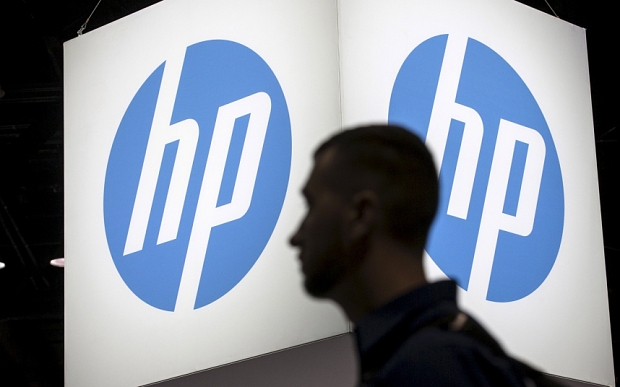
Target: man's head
[(367, 181)]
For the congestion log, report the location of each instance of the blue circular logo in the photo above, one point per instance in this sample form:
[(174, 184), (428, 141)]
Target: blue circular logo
[(501, 213), (197, 175)]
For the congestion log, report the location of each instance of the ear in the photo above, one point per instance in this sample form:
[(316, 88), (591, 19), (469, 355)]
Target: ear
[(363, 215)]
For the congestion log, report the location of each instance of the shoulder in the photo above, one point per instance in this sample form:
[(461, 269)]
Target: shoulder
[(436, 357)]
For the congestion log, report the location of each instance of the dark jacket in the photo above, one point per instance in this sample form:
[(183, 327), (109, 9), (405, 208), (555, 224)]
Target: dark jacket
[(409, 342)]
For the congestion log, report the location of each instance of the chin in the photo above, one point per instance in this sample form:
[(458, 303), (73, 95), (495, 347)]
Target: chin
[(318, 288), (312, 290)]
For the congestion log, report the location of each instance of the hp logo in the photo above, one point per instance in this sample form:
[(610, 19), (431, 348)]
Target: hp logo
[(197, 175), (501, 211)]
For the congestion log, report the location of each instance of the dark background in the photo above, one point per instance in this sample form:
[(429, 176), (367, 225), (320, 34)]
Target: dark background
[(31, 165)]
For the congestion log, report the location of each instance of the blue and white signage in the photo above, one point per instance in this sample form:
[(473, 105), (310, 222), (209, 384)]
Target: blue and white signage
[(189, 127), (502, 197), (196, 179), (500, 94)]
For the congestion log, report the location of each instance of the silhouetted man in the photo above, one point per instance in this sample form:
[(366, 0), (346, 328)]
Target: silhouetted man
[(372, 196)]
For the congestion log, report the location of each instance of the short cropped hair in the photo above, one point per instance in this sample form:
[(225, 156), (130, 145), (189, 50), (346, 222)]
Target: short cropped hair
[(396, 164)]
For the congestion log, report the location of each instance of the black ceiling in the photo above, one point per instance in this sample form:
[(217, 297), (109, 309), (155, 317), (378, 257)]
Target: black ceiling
[(31, 164)]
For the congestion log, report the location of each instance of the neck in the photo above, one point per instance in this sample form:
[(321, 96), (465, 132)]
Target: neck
[(387, 271)]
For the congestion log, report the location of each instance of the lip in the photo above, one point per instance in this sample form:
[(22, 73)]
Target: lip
[(302, 261), (300, 253)]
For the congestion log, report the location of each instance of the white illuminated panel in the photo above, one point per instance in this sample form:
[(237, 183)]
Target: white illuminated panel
[(512, 84), (499, 91), (144, 96)]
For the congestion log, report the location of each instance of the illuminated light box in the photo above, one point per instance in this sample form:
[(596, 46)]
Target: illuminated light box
[(500, 92), (189, 128)]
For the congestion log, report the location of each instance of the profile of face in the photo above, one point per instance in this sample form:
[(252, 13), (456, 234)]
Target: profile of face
[(320, 236)]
